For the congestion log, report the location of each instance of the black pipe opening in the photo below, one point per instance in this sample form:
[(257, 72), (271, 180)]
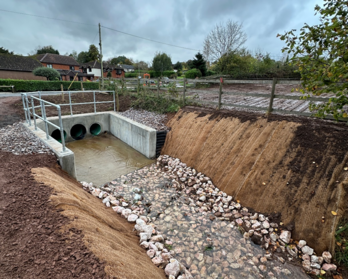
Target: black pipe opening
[(78, 132), (56, 135), (95, 129)]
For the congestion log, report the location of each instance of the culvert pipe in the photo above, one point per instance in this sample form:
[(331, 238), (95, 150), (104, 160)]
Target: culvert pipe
[(57, 136), (78, 132), (95, 129)]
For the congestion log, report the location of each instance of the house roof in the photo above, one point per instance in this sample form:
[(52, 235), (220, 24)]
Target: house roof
[(18, 63), (57, 59), (73, 73), (96, 65), (127, 66)]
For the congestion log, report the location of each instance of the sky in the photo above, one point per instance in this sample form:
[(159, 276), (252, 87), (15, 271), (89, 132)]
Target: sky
[(183, 23)]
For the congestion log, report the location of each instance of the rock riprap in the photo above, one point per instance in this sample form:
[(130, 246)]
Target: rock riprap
[(193, 230)]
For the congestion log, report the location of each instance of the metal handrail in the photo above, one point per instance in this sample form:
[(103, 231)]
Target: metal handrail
[(29, 109)]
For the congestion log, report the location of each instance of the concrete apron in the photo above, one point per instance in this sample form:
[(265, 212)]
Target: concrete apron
[(136, 135)]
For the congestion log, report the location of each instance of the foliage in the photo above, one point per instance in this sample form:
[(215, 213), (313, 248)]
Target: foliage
[(49, 73), (193, 73), (210, 73), (93, 53), (223, 39), (179, 73), (82, 57), (42, 85), (177, 66), (109, 74), (130, 75), (341, 236), (157, 104), (87, 56), (141, 65), (321, 54), (46, 49), (200, 64), (161, 62), (153, 74), (121, 60), (5, 51), (189, 64), (74, 54)]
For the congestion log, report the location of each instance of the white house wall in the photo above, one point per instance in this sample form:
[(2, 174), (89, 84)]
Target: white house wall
[(95, 72)]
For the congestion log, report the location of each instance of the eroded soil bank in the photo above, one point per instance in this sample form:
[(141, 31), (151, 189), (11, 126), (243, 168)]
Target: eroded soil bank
[(287, 165)]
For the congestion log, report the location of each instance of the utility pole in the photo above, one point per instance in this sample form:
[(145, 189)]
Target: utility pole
[(101, 59)]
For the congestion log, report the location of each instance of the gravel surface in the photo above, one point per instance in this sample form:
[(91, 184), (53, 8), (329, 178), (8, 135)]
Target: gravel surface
[(151, 119), (18, 140)]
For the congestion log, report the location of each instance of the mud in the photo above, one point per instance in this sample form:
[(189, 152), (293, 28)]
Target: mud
[(287, 165)]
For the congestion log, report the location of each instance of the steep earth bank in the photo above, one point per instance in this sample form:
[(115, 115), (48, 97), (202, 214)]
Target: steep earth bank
[(291, 168)]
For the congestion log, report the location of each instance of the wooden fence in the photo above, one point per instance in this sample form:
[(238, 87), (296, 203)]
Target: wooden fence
[(186, 85)]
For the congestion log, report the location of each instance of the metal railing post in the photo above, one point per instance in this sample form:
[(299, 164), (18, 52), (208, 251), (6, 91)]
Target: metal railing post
[(39, 94), (28, 110), (43, 112), (95, 107), (114, 102), (32, 104), (24, 108), (61, 128), (71, 114)]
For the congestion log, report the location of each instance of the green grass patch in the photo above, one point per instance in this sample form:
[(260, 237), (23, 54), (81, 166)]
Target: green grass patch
[(157, 104), (341, 250)]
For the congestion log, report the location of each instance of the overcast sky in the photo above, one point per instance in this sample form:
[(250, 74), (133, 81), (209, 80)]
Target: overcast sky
[(181, 22)]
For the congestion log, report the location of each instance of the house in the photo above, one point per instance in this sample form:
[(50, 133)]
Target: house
[(94, 67), (127, 68), (18, 67), (67, 66)]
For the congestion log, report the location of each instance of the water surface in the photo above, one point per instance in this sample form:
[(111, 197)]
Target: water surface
[(103, 158)]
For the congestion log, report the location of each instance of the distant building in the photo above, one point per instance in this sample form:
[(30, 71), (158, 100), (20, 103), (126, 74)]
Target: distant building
[(67, 66), (94, 67), (18, 67), (127, 68)]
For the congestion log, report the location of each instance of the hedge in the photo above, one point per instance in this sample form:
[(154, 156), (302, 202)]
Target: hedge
[(193, 73), (153, 74), (43, 85)]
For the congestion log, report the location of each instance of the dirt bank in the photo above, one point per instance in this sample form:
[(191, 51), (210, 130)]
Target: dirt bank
[(288, 165), (105, 233)]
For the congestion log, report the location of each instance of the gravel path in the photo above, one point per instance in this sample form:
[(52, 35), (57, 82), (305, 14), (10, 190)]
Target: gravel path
[(151, 119), (18, 140)]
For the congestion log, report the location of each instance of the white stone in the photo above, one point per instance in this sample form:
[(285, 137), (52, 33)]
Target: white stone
[(327, 256), (329, 267), (307, 250), (301, 244), (132, 218), (285, 236), (173, 268), (265, 224)]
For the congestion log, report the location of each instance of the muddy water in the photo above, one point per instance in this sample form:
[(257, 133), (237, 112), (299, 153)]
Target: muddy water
[(105, 157)]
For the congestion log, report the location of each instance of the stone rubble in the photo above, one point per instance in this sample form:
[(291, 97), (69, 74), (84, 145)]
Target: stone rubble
[(148, 118), (20, 141), (195, 237)]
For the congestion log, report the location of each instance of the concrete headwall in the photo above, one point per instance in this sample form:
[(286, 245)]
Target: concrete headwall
[(136, 135)]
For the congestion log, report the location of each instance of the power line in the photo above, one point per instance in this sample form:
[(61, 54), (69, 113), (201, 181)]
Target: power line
[(71, 21), (148, 39)]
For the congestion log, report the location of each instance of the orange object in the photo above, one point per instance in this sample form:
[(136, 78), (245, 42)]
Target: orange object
[(147, 76)]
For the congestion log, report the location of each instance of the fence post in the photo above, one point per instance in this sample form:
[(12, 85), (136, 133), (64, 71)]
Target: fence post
[(12, 88), (220, 93), (83, 93), (158, 81), (34, 117), (270, 108), (95, 106), (138, 86), (61, 88), (184, 93)]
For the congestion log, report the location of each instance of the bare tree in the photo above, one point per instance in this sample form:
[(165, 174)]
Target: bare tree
[(222, 39)]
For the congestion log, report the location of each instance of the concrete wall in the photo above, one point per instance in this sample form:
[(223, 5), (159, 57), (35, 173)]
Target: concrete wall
[(136, 135)]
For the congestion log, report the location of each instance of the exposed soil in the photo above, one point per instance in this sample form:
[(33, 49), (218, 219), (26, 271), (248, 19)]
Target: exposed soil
[(285, 164), (43, 231), (32, 243)]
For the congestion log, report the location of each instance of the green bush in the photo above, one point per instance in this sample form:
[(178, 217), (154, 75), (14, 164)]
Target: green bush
[(49, 73), (193, 73), (179, 73), (130, 75), (157, 104), (43, 85), (154, 74), (210, 73)]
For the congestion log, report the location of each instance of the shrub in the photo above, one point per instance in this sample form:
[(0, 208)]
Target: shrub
[(49, 73), (157, 104), (179, 73), (42, 85), (210, 73), (193, 73), (130, 75)]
